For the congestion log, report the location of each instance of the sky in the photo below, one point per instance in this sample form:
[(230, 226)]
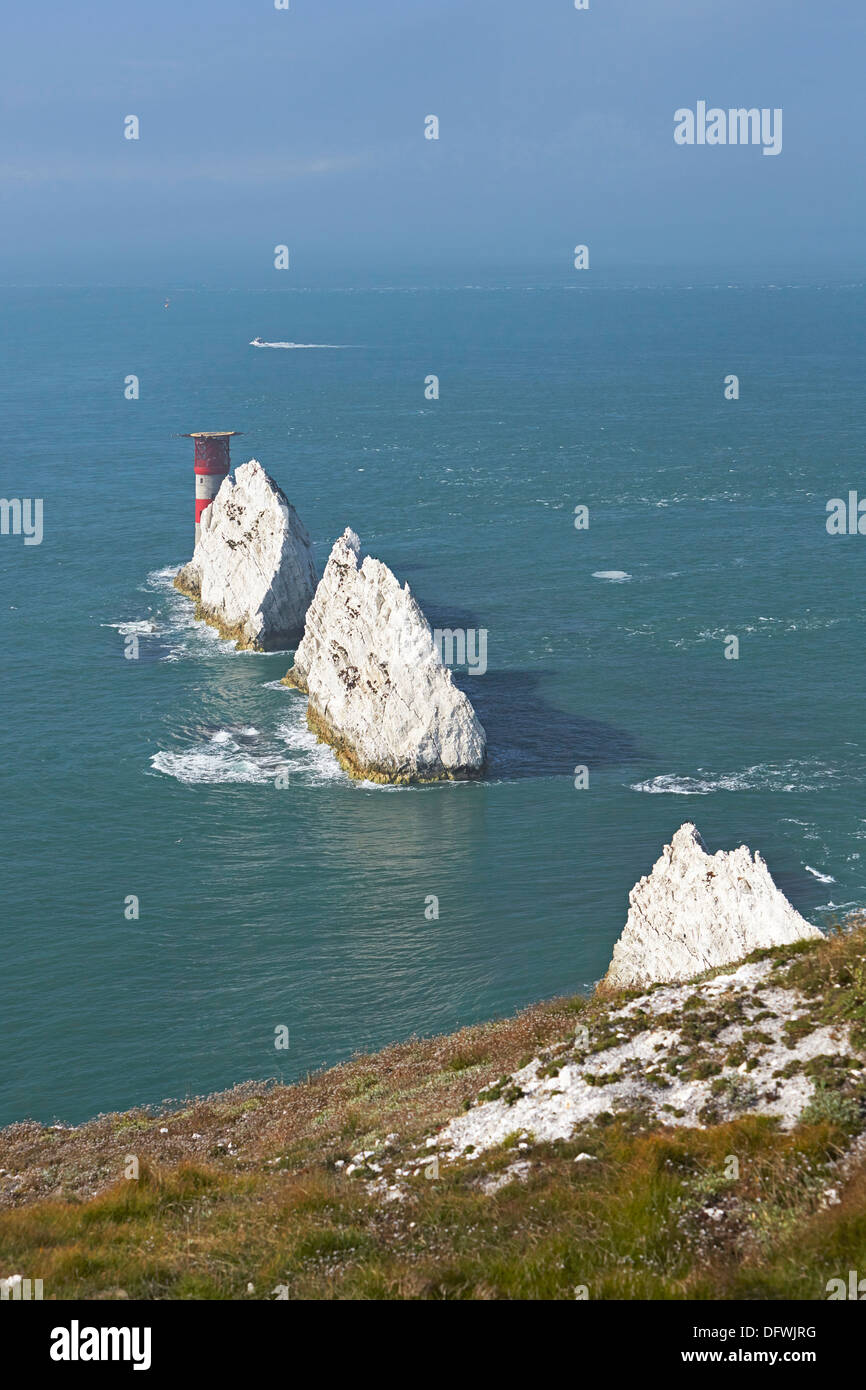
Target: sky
[(305, 127)]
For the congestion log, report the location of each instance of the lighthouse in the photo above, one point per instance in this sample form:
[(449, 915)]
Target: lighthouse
[(211, 466)]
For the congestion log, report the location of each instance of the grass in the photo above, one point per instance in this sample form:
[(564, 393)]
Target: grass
[(631, 1224), (833, 979), (250, 1187)]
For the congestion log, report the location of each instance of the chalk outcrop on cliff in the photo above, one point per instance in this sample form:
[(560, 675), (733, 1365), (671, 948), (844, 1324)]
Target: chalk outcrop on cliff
[(252, 573), (378, 690), (696, 911)]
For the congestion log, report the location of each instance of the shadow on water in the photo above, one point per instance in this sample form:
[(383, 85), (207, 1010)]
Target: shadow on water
[(526, 735), (438, 615), (529, 737)]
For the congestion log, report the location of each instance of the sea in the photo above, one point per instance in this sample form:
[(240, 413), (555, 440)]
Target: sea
[(189, 881)]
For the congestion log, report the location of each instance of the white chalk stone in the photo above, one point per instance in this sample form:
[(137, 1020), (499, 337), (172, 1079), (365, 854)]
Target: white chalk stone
[(378, 690), (697, 910), (252, 571)]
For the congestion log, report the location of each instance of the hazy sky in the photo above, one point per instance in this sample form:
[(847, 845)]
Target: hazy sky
[(306, 127)]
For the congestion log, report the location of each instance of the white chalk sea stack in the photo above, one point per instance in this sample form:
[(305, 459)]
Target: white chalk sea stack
[(378, 690), (252, 573), (696, 911)]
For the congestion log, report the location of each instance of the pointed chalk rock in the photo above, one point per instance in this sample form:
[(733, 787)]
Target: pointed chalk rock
[(252, 573), (378, 690), (698, 910)]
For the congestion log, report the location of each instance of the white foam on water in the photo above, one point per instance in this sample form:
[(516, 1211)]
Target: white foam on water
[(222, 758), (794, 776), (242, 753), (209, 764), (612, 576), (163, 579), (297, 346), (770, 627), (235, 754), (311, 761), (668, 783), (129, 629), (185, 635), (822, 878)]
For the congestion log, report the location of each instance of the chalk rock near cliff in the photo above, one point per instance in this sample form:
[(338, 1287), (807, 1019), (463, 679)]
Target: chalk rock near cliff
[(378, 690), (252, 572), (697, 910)]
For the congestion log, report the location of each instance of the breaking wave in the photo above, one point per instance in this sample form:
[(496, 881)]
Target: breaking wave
[(181, 633), (822, 878), (775, 777), (289, 755), (226, 755), (142, 628)]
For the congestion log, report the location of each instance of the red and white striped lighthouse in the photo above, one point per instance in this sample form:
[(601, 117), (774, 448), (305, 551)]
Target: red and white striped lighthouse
[(211, 466)]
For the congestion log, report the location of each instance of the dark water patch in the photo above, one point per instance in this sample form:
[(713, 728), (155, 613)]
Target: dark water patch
[(527, 736)]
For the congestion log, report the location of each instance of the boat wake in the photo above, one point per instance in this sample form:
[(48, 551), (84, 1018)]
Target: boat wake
[(257, 342)]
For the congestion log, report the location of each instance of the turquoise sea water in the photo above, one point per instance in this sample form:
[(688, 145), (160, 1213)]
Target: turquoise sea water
[(304, 906)]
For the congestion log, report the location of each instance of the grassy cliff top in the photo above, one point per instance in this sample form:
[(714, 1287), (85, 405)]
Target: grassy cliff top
[(695, 1175)]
